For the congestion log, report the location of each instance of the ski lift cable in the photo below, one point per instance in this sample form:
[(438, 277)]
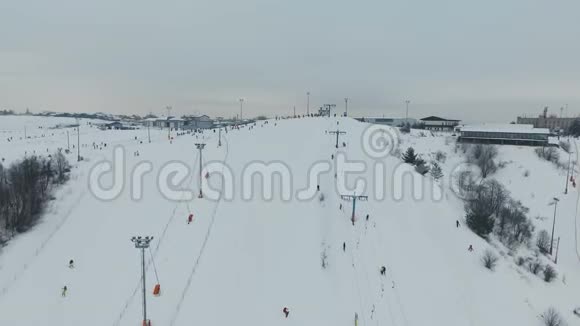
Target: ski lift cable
[(201, 252), (160, 240), (154, 267)]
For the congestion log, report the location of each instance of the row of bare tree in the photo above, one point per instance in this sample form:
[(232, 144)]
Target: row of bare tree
[(25, 188)]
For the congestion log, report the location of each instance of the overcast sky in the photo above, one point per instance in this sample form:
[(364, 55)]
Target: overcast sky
[(472, 60)]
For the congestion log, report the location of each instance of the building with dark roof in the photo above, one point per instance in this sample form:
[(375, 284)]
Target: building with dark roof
[(510, 134), (439, 124)]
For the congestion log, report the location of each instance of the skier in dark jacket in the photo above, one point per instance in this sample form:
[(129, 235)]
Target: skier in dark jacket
[(383, 270), (286, 311), (344, 246)]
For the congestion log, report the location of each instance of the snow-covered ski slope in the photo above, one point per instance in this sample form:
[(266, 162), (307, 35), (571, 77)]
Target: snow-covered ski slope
[(242, 260)]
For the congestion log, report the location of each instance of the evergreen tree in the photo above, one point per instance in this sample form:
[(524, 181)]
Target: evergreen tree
[(574, 128), (436, 171), (409, 156)]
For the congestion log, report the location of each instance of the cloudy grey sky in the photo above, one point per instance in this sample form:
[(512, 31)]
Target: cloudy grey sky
[(473, 60)]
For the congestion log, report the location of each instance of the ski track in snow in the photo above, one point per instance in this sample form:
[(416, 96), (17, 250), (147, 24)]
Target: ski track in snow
[(202, 250)]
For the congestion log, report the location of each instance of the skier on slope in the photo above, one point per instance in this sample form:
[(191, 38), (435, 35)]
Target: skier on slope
[(286, 312), (383, 270), (457, 223), (189, 218), (64, 289), (344, 246), (71, 264)]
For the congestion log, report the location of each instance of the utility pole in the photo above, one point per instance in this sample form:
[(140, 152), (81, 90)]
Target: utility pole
[(294, 111), (568, 171), (149, 131), (67, 140), (557, 250), (307, 103), (168, 108), (337, 132), (354, 198), (78, 140), (346, 106), (555, 203), (241, 108), (143, 243), (220, 137), (407, 111), (200, 146), (25, 132)]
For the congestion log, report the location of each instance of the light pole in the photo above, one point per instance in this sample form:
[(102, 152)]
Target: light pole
[(241, 108), (149, 131), (307, 103), (168, 108), (78, 140), (143, 243), (407, 111), (568, 171), (346, 106), (220, 137), (555, 203), (200, 146)]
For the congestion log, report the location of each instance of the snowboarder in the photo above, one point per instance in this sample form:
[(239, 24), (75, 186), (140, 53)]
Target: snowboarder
[(189, 218), (71, 264), (344, 246), (383, 270), (64, 289), (457, 223), (286, 311), (470, 248)]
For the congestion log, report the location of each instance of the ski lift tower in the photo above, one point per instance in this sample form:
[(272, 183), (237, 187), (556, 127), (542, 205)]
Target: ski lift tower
[(354, 198), (143, 243), (200, 146)]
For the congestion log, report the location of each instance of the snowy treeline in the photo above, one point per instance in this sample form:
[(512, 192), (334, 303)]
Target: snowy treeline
[(25, 187)]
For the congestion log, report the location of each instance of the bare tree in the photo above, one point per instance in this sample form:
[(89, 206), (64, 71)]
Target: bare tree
[(543, 242), (489, 260), (552, 318), (549, 273), (484, 157)]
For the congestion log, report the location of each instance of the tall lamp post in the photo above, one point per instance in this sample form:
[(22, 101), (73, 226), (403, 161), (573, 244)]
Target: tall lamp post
[(407, 111), (346, 106), (142, 243), (555, 203), (78, 140), (307, 103), (200, 146), (241, 108), (568, 171)]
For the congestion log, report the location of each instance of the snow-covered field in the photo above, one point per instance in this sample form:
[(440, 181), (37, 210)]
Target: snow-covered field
[(242, 260)]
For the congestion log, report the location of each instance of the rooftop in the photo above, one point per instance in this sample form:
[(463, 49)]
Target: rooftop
[(511, 128)]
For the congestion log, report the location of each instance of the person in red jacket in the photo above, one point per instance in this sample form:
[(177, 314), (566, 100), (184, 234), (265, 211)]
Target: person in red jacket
[(286, 311)]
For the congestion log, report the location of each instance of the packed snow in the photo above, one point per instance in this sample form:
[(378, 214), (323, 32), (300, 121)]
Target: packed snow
[(241, 261)]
